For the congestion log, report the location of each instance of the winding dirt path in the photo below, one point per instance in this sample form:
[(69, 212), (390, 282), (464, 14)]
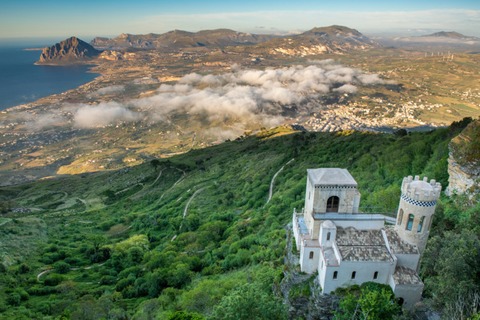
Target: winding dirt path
[(185, 211), (44, 272), (190, 200), (270, 192), (176, 182)]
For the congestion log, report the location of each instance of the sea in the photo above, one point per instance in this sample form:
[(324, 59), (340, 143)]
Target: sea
[(21, 81)]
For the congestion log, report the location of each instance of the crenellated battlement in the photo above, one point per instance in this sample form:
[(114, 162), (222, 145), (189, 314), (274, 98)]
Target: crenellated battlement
[(421, 190)]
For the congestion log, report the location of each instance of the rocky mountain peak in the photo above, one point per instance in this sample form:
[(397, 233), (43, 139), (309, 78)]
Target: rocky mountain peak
[(69, 50)]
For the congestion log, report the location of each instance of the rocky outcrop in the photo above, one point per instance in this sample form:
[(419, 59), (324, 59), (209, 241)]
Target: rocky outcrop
[(68, 51), (332, 39), (462, 180), (464, 162)]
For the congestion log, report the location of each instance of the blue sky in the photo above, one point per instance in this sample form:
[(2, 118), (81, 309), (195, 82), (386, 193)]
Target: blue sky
[(88, 18)]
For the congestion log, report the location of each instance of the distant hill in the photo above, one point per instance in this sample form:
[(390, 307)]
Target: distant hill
[(442, 38), (68, 51), (449, 34), (332, 39), (180, 39)]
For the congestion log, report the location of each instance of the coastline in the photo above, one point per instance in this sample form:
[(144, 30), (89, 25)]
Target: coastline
[(39, 81)]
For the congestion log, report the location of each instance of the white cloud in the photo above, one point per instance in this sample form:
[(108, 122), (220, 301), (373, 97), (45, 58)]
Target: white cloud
[(45, 121), (111, 89), (346, 88), (252, 94), (102, 114)]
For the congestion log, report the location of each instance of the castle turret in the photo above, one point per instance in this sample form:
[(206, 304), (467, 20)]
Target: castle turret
[(416, 209)]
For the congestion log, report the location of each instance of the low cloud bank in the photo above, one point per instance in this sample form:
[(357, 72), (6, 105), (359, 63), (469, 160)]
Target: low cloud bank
[(259, 94), (102, 114), (242, 95)]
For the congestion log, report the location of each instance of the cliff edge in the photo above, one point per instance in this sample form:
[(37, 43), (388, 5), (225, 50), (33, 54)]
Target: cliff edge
[(464, 161)]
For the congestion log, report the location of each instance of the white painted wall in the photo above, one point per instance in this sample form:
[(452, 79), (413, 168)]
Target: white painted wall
[(364, 272), (408, 260), (308, 265), (296, 231), (411, 294)]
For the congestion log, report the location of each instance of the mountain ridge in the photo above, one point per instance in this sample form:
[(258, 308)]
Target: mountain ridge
[(175, 39), (335, 38)]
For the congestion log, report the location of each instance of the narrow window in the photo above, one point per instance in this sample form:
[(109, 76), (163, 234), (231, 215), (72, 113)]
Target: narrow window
[(375, 275), (332, 204), (400, 217), (328, 236), (420, 224), (311, 255), (335, 274), (321, 267), (309, 193), (354, 273), (409, 222)]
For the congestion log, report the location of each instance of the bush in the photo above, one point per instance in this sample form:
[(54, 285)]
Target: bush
[(53, 280), (61, 267)]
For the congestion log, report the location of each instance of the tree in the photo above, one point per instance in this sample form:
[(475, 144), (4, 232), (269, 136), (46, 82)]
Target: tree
[(182, 315), (155, 163), (61, 267), (247, 302), (450, 266), (373, 301)]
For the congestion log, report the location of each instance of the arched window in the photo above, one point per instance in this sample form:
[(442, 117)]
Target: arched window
[(354, 273), (332, 204), (420, 224), (375, 275), (335, 274), (401, 301), (410, 222), (311, 255), (400, 217), (328, 236)]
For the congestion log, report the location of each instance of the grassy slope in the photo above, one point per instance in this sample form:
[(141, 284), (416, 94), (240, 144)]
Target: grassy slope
[(229, 236)]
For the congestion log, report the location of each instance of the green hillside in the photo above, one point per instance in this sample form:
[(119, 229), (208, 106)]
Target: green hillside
[(193, 236)]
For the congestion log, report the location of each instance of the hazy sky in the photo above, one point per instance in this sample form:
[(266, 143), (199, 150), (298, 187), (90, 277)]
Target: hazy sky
[(88, 18)]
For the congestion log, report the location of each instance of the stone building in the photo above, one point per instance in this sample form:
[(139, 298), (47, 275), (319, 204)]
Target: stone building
[(347, 247)]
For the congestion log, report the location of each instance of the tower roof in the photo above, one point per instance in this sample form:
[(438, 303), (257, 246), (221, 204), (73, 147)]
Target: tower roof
[(331, 176)]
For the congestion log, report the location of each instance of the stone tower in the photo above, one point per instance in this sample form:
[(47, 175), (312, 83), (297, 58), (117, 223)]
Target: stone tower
[(416, 209), (329, 191)]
